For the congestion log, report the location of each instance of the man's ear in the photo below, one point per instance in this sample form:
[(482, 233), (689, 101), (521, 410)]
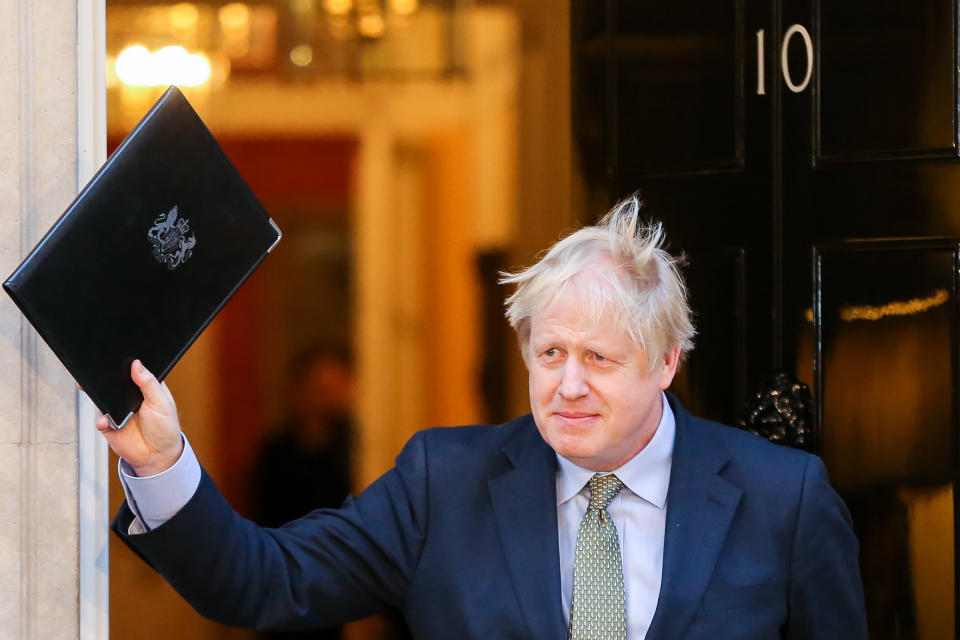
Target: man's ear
[(523, 339), (525, 354), (671, 359)]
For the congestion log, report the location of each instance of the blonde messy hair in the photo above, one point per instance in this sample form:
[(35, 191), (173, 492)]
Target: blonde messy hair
[(640, 282)]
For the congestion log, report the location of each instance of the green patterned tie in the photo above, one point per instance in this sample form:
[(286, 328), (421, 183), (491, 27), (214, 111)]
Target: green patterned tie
[(599, 609)]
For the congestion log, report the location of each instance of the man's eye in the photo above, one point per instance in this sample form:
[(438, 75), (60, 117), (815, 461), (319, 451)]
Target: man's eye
[(551, 352), (599, 357)]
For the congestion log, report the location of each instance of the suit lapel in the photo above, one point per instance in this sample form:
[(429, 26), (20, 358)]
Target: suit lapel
[(525, 509), (700, 507)]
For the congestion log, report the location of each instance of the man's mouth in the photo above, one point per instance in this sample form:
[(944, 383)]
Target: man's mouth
[(575, 416)]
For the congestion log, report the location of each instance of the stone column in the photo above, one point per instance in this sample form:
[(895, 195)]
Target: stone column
[(40, 164)]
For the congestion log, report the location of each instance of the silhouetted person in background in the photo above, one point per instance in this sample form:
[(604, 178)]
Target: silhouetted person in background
[(305, 461)]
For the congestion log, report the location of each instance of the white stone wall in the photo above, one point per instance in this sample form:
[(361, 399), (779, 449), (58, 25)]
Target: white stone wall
[(38, 402)]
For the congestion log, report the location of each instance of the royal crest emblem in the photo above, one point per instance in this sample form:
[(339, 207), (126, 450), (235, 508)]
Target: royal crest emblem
[(172, 239)]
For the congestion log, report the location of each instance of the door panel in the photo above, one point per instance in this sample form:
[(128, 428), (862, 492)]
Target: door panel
[(884, 344), (688, 54), (887, 83)]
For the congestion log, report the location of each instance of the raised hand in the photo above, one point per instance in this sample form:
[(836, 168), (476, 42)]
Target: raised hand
[(150, 442)]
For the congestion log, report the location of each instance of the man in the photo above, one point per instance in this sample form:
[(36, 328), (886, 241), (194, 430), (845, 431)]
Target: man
[(609, 513)]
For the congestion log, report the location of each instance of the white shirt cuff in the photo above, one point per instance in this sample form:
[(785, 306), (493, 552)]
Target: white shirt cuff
[(157, 498)]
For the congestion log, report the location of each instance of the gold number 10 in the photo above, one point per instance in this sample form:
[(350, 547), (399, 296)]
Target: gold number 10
[(784, 68)]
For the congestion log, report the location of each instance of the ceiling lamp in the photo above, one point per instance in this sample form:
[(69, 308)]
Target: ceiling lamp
[(136, 66)]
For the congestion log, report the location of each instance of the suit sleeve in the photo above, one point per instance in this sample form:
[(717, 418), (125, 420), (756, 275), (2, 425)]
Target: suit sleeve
[(826, 592), (328, 567)]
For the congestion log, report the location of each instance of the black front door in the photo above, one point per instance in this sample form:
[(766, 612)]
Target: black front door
[(804, 156)]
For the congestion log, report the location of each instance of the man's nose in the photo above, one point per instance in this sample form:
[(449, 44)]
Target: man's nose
[(573, 381)]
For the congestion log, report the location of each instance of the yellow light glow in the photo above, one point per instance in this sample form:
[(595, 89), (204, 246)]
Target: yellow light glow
[(184, 16), (112, 79), (912, 307), (337, 7), (137, 66), (234, 18), (905, 308), (372, 25), (301, 55), (404, 7)]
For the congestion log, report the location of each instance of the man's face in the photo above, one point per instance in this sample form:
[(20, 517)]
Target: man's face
[(593, 396)]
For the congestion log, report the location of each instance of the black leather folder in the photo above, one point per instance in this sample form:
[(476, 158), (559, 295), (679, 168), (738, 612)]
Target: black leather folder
[(145, 256)]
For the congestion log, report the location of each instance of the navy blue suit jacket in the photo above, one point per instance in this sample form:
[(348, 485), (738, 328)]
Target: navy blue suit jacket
[(461, 536)]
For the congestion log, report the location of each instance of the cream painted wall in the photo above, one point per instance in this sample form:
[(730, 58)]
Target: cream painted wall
[(39, 525)]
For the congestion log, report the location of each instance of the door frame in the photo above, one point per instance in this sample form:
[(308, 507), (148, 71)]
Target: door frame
[(92, 456)]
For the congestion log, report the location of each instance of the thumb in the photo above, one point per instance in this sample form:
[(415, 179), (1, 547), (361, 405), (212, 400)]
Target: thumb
[(153, 392)]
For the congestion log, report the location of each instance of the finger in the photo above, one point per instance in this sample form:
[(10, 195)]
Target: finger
[(153, 393), (103, 424)]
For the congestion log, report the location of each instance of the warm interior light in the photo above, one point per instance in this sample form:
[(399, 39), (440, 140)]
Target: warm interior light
[(184, 16), (301, 55), (137, 66), (234, 18), (404, 7), (337, 7), (371, 25), (235, 25)]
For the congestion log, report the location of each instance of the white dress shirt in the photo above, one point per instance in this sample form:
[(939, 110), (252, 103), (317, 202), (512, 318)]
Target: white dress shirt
[(157, 498), (640, 515)]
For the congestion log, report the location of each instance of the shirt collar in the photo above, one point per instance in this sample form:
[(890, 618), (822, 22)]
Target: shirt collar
[(646, 474)]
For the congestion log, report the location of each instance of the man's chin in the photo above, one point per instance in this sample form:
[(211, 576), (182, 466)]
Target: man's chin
[(577, 452)]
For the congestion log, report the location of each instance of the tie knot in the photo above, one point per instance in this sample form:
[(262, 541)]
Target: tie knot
[(603, 489)]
